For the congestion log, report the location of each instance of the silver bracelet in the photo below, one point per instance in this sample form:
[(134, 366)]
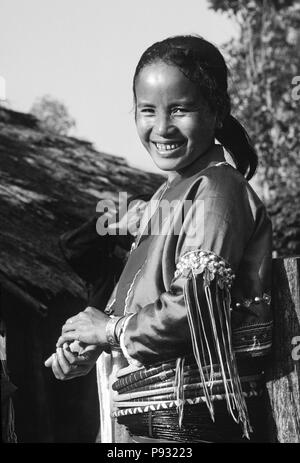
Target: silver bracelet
[(110, 331)]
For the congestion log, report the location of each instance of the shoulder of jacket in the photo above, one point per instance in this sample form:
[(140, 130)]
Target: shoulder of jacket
[(227, 182), (220, 180)]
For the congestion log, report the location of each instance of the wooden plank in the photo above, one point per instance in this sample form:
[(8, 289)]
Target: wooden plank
[(283, 376)]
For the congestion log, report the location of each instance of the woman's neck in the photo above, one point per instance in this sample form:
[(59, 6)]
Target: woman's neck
[(214, 154)]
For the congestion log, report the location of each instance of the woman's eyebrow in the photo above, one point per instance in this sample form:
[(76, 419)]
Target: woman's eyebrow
[(145, 103), (184, 101), (180, 101)]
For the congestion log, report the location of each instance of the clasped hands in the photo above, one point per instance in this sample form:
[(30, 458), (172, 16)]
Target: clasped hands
[(82, 340)]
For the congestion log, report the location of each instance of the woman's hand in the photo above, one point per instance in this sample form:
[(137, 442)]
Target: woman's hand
[(88, 327), (67, 365)]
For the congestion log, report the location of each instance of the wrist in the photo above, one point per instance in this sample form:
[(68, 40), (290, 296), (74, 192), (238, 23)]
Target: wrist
[(112, 339)]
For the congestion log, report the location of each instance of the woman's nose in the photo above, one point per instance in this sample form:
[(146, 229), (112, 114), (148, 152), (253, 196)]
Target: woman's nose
[(164, 125)]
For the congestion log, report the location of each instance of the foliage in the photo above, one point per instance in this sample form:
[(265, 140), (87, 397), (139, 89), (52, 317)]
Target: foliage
[(234, 6), (53, 115), (263, 62), (285, 214)]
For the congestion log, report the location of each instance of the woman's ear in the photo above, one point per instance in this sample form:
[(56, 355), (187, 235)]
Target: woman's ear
[(220, 116), (219, 120), (219, 123)]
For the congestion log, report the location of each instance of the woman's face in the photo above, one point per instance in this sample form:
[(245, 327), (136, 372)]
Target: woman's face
[(173, 121)]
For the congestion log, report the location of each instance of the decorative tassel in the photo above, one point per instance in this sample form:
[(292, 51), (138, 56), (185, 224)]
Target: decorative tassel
[(219, 339), (198, 348), (179, 390)]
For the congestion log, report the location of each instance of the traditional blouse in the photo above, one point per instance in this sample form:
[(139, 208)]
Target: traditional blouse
[(197, 280)]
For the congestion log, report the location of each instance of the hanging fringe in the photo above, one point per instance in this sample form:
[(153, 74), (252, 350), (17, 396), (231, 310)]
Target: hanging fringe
[(212, 342), (198, 335), (178, 387)]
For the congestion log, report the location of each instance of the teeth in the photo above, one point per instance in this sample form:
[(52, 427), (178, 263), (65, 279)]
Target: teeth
[(165, 147)]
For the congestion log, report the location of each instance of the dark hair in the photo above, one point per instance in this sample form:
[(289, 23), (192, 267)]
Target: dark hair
[(202, 63)]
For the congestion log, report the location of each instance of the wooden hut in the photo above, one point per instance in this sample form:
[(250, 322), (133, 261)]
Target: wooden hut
[(49, 184)]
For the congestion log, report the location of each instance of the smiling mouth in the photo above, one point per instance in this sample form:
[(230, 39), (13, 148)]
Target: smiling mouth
[(164, 147)]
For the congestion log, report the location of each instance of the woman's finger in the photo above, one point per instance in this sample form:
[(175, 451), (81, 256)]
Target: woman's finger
[(57, 371), (69, 356), (48, 362), (70, 336), (71, 326), (63, 361)]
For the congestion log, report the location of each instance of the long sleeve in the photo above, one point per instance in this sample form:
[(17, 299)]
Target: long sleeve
[(220, 222)]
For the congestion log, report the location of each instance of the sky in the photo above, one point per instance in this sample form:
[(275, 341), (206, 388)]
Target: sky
[(84, 53)]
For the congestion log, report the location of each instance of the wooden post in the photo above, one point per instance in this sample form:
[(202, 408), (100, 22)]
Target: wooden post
[(283, 376)]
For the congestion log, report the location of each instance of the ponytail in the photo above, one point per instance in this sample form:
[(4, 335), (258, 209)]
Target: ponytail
[(236, 141)]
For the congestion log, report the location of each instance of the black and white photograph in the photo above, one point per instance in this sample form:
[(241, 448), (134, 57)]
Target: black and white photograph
[(150, 224)]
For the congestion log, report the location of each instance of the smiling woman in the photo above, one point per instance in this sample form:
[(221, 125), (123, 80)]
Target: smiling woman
[(173, 120), (191, 312)]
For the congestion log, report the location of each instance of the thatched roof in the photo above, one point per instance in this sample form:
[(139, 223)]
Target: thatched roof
[(50, 184)]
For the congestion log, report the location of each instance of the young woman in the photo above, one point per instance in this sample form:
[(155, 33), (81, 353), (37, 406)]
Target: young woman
[(191, 312)]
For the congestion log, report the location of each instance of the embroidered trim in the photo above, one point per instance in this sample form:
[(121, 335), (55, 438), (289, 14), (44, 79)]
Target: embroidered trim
[(255, 300), (154, 406), (129, 291), (133, 246), (108, 309), (196, 262), (255, 339)]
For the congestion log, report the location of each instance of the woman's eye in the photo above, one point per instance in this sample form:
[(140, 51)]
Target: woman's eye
[(179, 111), (147, 111)]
